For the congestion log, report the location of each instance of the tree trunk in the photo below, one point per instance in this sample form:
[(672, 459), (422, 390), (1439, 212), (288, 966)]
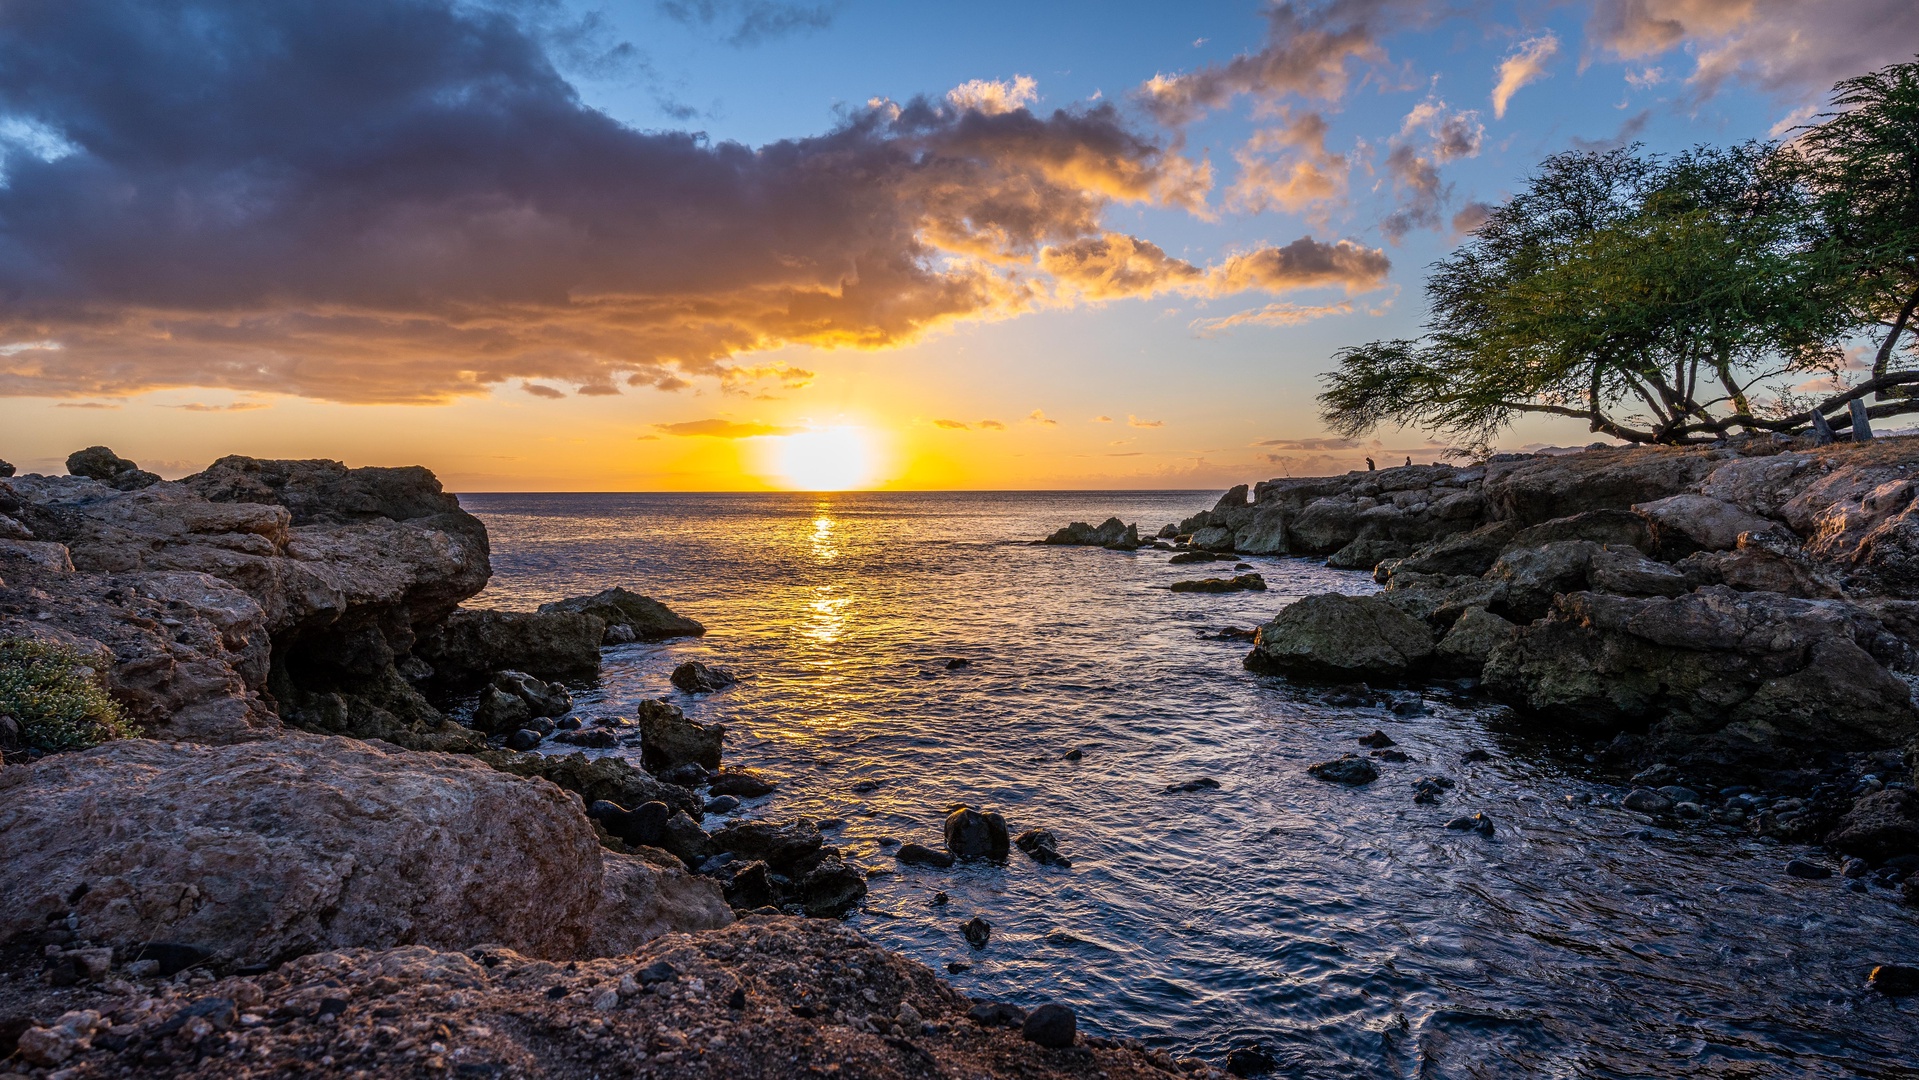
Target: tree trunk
[(1884, 359)]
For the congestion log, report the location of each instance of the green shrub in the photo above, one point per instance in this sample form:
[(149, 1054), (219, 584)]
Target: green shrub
[(55, 695)]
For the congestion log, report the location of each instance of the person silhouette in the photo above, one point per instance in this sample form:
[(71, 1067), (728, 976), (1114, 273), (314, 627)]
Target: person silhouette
[(1409, 461), (1369, 465)]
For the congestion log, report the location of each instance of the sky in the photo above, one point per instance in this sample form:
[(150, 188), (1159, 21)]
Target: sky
[(751, 244)]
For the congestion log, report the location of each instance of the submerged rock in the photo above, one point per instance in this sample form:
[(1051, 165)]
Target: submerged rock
[(1239, 583), (977, 932), (1350, 769), (695, 677), (971, 834), (1043, 846), (921, 855)]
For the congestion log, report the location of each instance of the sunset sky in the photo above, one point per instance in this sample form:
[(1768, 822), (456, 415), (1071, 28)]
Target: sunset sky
[(712, 244)]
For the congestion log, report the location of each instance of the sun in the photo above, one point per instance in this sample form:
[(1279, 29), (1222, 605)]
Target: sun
[(823, 459)]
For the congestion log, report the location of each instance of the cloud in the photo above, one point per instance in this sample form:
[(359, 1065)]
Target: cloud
[(234, 203), (598, 390), (232, 406), (1629, 130), (1270, 315), (750, 22), (993, 98), (1304, 263), (1308, 48), (1471, 216), (953, 425), (991, 425), (1430, 136), (1134, 421), (725, 429), (1288, 167), (1794, 48), (1327, 443), (1525, 64), (1038, 416), (542, 391), (1102, 420), (84, 405)]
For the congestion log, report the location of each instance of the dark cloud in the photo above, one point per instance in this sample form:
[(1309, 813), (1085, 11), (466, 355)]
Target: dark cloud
[(1430, 136), (750, 22), (406, 200), (540, 390), (1629, 130), (1791, 47)]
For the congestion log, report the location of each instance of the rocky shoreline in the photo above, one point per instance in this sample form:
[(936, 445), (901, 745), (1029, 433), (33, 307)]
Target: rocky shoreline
[(336, 846), (1733, 631)]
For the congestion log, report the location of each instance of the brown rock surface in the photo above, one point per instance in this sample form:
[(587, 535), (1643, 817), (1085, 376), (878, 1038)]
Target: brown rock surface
[(278, 847)]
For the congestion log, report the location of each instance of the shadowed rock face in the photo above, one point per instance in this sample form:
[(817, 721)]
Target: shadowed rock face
[(280, 847), (330, 571)]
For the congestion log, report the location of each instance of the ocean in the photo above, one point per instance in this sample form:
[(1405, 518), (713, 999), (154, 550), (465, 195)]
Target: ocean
[(1344, 929)]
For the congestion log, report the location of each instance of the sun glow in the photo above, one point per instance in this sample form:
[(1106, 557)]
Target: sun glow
[(823, 459)]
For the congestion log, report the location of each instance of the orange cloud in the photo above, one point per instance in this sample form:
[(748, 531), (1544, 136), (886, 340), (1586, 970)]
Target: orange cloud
[(1526, 63), (952, 425), (724, 429), (1134, 421)]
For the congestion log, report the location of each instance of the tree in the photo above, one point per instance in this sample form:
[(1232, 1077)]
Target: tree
[(1862, 164)]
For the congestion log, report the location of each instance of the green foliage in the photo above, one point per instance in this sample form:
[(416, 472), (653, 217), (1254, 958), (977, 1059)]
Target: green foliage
[(57, 698)]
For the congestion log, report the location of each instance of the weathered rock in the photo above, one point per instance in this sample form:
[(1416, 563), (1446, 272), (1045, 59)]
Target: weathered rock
[(1052, 1026), (1467, 554), (102, 464), (1349, 769), (1042, 846), (1111, 533), (543, 699), (1882, 825), (779, 846), (470, 645), (608, 779), (977, 932), (642, 826), (1265, 534), (1525, 580), (1751, 674), (1213, 538), (1531, 490), (1367, 554), (741, 783), (832, 888), (1763, 562), (500, 712), (271, 849), (971, 834), (668, 739), (1685, 523), (1647, 801), (1337, 636), (921, 855), (1239, 583), (1472, 638), (1626, 572), (695, 677), (642, 618), (1607, 528)]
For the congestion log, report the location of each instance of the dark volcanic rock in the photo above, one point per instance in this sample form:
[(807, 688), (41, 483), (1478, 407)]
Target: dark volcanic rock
[(609, 779), (668, 739), (642, 618), (779, 846), (1203, 783), (741, 784), (471, 645), (102, 464), (1893, 980), (921, 855), (697, 678), (1043, 846), (1239, 583), (1337, 636), (977, 932), (1111, 533), (971, 834), (1051, 1026), (1880, 826), (1350, 769)]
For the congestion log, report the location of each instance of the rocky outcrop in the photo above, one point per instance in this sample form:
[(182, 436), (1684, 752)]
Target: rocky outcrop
[(1342, 637), (272, 849), (468, 646), (628, 616), (102, 464), (1112, 534), (600, 779)]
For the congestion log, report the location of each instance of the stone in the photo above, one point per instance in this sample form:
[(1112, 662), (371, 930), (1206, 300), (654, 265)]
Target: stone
[(1526, 580), (686, 840), (302, 843), (920, 855), (779, 846), (1203, 783), (1471, 639), (102, 464), (1428, 789), (1349, 769), (1689, 522), (1477, 823), (592, 739), (1367, 554), (643, 826), (1467, 554), (609, 778), (1764, 562), (628, 616), (1111, 533), (1812, 871), (1043, 846), (972, 834), (1892, 980), (993, 1014), (1239, 583), (694, 677), (1250, 1061), (977, 932), (1186, 558), (832, 888), (1647, 801), (1615, 529), (523, 740), (722, 804), (55, 1043), (1880, 825), (668, 739), (1265, 534), (1377, 739), (543, 699), (499, 711), (1052, 1026), (1344, 637), (741, 783), (1626, 572), (1537, 489), (473, 644)]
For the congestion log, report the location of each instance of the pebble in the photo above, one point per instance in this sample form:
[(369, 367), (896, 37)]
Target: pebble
[(1052, 1026), (1811, 871), (1378, 740), (523, 740), (723, 804), (1646, 801), (977, 931)]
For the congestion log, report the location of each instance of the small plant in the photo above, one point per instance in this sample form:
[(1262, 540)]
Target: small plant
[(55, 696)]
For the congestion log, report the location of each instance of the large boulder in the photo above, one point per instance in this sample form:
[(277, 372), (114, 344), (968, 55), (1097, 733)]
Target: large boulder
[(1111, 533), (1609, 528), (1462, 554), (1743, 675), (1265, 533), (1525, 580), (1763, 562), (102, 464), (1332, 635), (1536, 489), (976, 834), (1683, 524), (629, 616), (1472, 638), (668, 739), (473, 644), (268, 850), (1326, 525), (1882, 825)]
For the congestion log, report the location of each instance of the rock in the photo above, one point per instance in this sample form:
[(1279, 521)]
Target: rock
[(1880, 825), (920, 855), (1213, 538), (1111, 533), (1460, 555), (1763, 562), (1250, 1061), (1043, 846), (542, 698), (1478, 823), (102, 464), (628, 616), (1428, 789), (1052, 1026), (1344, 637), (1203, 783), (741, 783), (304, 843), (668, 739), (1811, 871), (1185, 558), (71, 1034), (1475, 754), (1607, 528), (832, 888), (643, 826), (1397, 756), (1265, 534), (1526, 580), (1538, 489), (1856, 868), (523, 740), (996, 1014), (971, 834), (471, 645), (1647, 801), (780, 846), (1892, 980), (1239, 583), (1378, 740), (499, 711), (608, 779), (722, 804), (6, 469), (697, 678), (685, 839), (1350, 769), (977, 931), (590, 739), (1737, 675), (1628, 573), (1473, 637), (1685, 523), (1366, 554)]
